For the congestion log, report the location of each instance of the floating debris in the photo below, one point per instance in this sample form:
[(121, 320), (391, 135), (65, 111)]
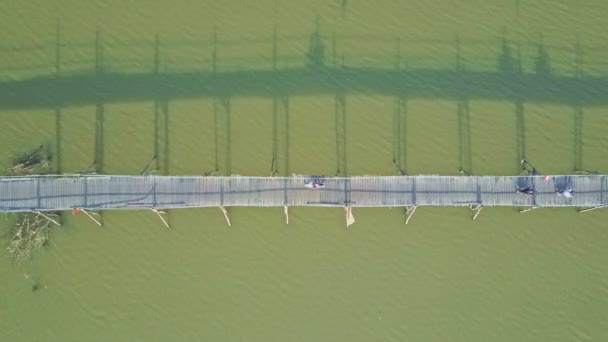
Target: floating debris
[(34, 162), (31, 233), (32, 229)]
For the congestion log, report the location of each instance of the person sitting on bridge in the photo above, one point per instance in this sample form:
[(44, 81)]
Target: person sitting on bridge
[(568, 192), (528, 191), (315, 183)]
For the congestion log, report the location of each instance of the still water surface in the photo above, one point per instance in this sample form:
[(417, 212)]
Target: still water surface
[(540, 276)]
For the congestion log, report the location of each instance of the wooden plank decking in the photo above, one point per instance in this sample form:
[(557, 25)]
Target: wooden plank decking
[(96, 192)]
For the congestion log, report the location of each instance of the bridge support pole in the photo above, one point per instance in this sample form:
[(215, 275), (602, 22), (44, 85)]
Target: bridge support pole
[(158, 212), (286, 214), (225, 215), (45, 216), (350, 219), (90, 216), (528, 209), (477, 210), (409, 211), (589, 209), (585, 172)]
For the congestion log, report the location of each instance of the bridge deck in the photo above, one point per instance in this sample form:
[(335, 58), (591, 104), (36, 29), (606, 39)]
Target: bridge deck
[(95, 192)]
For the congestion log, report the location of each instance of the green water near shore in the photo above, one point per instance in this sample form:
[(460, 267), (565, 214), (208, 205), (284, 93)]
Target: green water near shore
[(504, 277)]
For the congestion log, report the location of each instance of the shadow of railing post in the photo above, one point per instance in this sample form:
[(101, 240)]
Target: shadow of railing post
[(156, 69), (275, 110), (161, 115), (58, 108), (285, 102), (340, 106), (99, 108), (463, 113), (228, 134), (214, 51), (578, 108), (509, 69), (399, 120), (216, 136), (341, 145), (275, 136), (164, 105), (214, 99), (156, 59), (520, 124), (280, 136), (396, 126), (520, 133)]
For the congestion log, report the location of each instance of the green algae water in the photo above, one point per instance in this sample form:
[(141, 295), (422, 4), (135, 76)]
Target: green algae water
[(538, 276)]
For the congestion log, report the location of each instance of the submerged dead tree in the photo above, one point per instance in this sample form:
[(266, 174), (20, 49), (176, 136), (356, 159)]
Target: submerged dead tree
[(32, 229)]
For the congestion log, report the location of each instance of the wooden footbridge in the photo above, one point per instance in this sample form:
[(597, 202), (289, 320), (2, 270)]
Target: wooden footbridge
[(100, 192)]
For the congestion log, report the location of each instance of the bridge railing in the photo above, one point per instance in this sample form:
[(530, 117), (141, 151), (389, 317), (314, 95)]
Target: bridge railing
[(96, 192)]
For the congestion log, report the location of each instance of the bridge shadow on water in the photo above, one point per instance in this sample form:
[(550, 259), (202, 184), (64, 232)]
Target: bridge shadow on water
[(87, 89), (316, 77), (320, 74)]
